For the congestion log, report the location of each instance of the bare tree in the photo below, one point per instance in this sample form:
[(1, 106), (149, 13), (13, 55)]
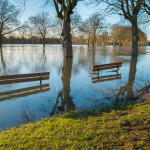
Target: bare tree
[(57, 27), (103, 38), (8, 19), (146, 4), (76, 21), (64, 9), (40, 24), (85, 29), (92, 28), (131, 10), (120, 35)]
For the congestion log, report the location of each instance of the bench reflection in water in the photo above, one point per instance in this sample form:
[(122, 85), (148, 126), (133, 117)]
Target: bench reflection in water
[(22, 92), (106, 78)]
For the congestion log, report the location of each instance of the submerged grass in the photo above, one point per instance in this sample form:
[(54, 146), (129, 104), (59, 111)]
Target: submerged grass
[(126, 128)]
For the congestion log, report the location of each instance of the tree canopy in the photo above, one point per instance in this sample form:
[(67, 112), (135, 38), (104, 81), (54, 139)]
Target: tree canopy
[(40, 24), (134, 11), (9, 16)]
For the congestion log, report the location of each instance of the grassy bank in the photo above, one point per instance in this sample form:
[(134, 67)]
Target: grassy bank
[(127, 128)]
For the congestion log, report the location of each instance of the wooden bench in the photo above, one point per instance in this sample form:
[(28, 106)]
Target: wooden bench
[(106, 66), (24, 78)]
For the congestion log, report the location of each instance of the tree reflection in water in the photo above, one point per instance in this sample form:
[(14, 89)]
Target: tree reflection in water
[(3, 67), (35, 59), (126, 93), (66, 101)]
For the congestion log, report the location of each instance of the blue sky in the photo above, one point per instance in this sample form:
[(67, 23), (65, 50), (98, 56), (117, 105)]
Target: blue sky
[(34, 6)]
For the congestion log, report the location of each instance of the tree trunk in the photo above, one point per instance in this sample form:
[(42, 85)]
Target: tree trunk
[(43, 45), (88, 43), (103, 44), (94, 42), (4, 67), (135, 36), (0, 43), (66, 37)]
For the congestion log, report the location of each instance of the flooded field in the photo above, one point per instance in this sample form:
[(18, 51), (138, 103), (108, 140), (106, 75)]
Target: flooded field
[(72, 85)]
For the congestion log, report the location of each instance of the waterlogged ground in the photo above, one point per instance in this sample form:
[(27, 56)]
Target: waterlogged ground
[(72, 85)]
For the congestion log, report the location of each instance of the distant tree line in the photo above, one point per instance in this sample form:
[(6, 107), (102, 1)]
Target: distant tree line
[(31, 40), (118, 36), (121, 35), (71, 29)]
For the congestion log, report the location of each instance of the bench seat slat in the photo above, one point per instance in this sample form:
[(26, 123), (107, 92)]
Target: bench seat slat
[(98, 66), (23, 80), (112, 64), (104, 68), (24, 75)]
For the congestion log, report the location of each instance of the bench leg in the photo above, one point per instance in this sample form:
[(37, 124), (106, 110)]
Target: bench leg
[(40, 80), (118, 68)]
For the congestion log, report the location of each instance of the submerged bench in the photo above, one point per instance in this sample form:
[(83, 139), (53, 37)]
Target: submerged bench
[(24, 78), (106, 66)]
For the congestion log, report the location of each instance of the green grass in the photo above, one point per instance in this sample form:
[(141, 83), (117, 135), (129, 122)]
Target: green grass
[(126, 128)]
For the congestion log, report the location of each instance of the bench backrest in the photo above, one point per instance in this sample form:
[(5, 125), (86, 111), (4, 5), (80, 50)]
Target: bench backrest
[(106, 66), (24, 78)]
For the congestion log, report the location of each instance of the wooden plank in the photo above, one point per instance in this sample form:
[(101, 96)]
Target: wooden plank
[(111, 64), (24, 75), (96, 81), (24, 89), (23, 80), (95, 70), (104, 65), (104, 68), (95, 66), (24, 94)]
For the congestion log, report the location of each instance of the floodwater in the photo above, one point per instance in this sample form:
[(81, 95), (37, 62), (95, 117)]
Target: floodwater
[(72, 85)]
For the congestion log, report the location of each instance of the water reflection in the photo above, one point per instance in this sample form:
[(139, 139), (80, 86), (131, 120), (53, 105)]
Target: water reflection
[(71, 86), (105, 78), (126, 93), (22, 92), (4, 67), (64, 102)]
